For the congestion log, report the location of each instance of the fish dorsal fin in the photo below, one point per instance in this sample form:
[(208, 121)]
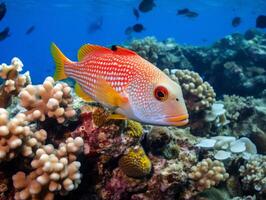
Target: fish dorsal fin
[(123, 51), (87, 49), (80, 92), (106, 94)]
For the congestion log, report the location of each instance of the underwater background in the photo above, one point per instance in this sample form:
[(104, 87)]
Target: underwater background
[(67, 23), (56, 143)]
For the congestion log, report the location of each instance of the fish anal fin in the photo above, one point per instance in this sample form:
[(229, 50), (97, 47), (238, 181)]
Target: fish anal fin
[(80, 92), (106, 94), (123, 51), (117, 116), (87, 49)]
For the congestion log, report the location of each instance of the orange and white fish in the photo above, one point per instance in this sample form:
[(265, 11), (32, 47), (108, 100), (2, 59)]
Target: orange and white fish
[(123, 81)]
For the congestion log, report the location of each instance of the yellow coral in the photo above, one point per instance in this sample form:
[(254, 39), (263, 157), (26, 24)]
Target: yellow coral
[(135, 163), (100, 116), (134, 129)]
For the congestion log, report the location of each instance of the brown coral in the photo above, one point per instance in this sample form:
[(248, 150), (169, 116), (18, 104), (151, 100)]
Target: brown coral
[(198, 94), (207, 173), (13, 81), (50, 99), (54, 170), (16, 136)]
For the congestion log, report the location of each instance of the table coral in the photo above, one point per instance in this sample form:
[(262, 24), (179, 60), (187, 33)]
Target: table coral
[(17, 137), (253, 173), (54, 171), (207, 173), (13, 81), (50, 99), (135, 162)]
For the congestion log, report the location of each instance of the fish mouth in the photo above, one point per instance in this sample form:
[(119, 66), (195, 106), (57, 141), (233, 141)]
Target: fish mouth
[(179, 120)]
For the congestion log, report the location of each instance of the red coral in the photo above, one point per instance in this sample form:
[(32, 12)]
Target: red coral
[(106, 139)]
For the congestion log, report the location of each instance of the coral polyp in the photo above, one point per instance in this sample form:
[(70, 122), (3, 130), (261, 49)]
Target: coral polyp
[(135, 163)]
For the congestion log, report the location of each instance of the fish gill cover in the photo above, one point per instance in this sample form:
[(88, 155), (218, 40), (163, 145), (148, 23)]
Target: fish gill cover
[(93, 129)]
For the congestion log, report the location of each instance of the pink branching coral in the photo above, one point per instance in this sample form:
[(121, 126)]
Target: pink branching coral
[(13, 81), (16, 136), (50, 99), (54, 171)]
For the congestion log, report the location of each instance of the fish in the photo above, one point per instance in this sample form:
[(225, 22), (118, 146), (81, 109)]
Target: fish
[(136, 13), (138, 28), (30, 30), (236, 21), (2, 10), (261, 21), (4, 34), (128, 30), (187, 13), (95, 25), (146, 5), (124, 82)]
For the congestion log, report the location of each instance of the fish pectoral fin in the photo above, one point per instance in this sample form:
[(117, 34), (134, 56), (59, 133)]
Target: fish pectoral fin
[(117, 116), (80, 92), (106, 94), (87, 49)]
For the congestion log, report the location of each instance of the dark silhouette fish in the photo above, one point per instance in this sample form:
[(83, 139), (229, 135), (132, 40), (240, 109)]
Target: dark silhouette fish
[(136, 13), (2, 10), (30, 30), (138, 28), (95, 25), (4, 34), (182, 11), (187, 13), (146, 5), (236, 21), (128, 30), (261, 21)]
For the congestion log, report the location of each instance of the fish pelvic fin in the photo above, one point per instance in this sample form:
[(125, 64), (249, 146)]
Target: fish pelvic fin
[(117, 117), (60, 61), (82, 94), (106, 94)]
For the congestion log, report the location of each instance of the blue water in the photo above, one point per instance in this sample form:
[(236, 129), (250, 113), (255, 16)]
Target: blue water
[(66, 23)]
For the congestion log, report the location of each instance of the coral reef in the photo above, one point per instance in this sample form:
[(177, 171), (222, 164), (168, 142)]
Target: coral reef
[(54, 170), (253, 174), (17, 137), (61, 145), (135, 162), (13, 82), (199, 94), (238, 61), (207, 173), (49, 99)]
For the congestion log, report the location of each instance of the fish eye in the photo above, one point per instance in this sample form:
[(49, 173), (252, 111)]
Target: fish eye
[(161, 93), (177, 99)]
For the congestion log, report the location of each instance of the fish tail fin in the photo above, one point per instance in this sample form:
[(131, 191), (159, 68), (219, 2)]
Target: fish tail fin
[(60, 61)]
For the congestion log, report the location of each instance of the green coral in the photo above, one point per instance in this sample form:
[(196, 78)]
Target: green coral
[(135, 163)]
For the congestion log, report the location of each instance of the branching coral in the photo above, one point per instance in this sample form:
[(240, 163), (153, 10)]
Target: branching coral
[(16, 136), (253, 173), (198, 94), (54, 170), (135, 162), (49, 99), (13, 81), (207, 173)]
